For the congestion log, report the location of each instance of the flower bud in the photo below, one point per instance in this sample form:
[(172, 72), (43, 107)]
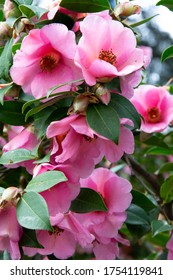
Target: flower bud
[(22, 25), (5, 32), (126, 9), (10, 194), (102, 93), (80, 103), (11, 9)]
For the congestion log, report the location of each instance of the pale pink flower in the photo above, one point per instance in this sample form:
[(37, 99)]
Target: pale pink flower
[(115, 192), (129, 82), (169, 246), (60, 196), (10, 231), (106, 50), (155, 105), (45, 60), (148, 53), (24, 139), (72, 137)]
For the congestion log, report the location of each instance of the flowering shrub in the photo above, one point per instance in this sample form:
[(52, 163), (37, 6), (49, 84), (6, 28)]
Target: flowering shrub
[(76, 118)]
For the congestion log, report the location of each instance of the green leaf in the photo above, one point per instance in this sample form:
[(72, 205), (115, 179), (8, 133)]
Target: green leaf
[(88, 200), (142, 201), (136, 216), (12, 20), (15, 156), (166, 3), (86, 6), (125, 109), (11, 113), (159, 151), (4, 91), (142, 21), (32, 212), (167, 167), (25, 2), (104, 120), (61, 85), (168, 53), (166, 191), (16, 47), (160, 226), (45, 181), (30, 10), (6, 61), (29, 239)]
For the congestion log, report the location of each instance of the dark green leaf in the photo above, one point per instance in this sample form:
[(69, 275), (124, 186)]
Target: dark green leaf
[(142, 21), (166, 191), (29, 239), (30, 10), (88, 200), (167, 167), (136, 216), (142, 201), (151, 141), (15, 156), (6, 61), (125, 109), (159, 151), (11, 113), (104, 120), (16, 47), (160, 226), (32, 212), (45, 181), (86, 6), (166, 3), (168, 53)]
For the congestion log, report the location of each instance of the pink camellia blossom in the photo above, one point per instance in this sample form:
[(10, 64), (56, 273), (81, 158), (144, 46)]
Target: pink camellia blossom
[(148, 53), (106, 50), (169, 246), (129, 82), (155, 104), (45, 60), (25, 139), (115, 192), (72, 137), (60, 196), (10, 231)]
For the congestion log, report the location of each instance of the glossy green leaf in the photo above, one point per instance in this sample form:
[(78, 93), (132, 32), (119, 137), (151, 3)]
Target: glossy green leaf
[(86, 6), (32, 212), (160, 226), (166, 3), (142, 201), (29, 239), (104, 120), (24, 2), (45, 181), (11, 113), (136, 216), (142, 21), (6, 60), (168, 53), (125, 109), (30, 10), (16, 47), (159, 151), (88, 200), (12, 20), (166, 191), (15, 156), (4, 91)]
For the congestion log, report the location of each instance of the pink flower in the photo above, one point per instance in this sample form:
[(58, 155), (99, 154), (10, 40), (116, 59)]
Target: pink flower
[(155, 104), (25, 139), (10, 231), (106, 50), (129, 82), (45, 60), (59, 197), (169, 246), (115, 192), (148, 53), (72, 137)]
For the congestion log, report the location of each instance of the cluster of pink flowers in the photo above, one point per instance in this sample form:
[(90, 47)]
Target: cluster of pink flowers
[(49, 57)]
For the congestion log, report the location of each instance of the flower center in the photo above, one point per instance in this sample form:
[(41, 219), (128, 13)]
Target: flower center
[(89, 139), (153, 115), (49, 61), (56, 231), (108, 56)]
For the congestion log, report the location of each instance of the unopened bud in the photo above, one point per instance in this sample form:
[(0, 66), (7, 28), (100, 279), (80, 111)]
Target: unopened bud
[(11, 9), (126, 9), (22, 25), (5, 31), (80, 103), (10, 194), (102, 93)]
